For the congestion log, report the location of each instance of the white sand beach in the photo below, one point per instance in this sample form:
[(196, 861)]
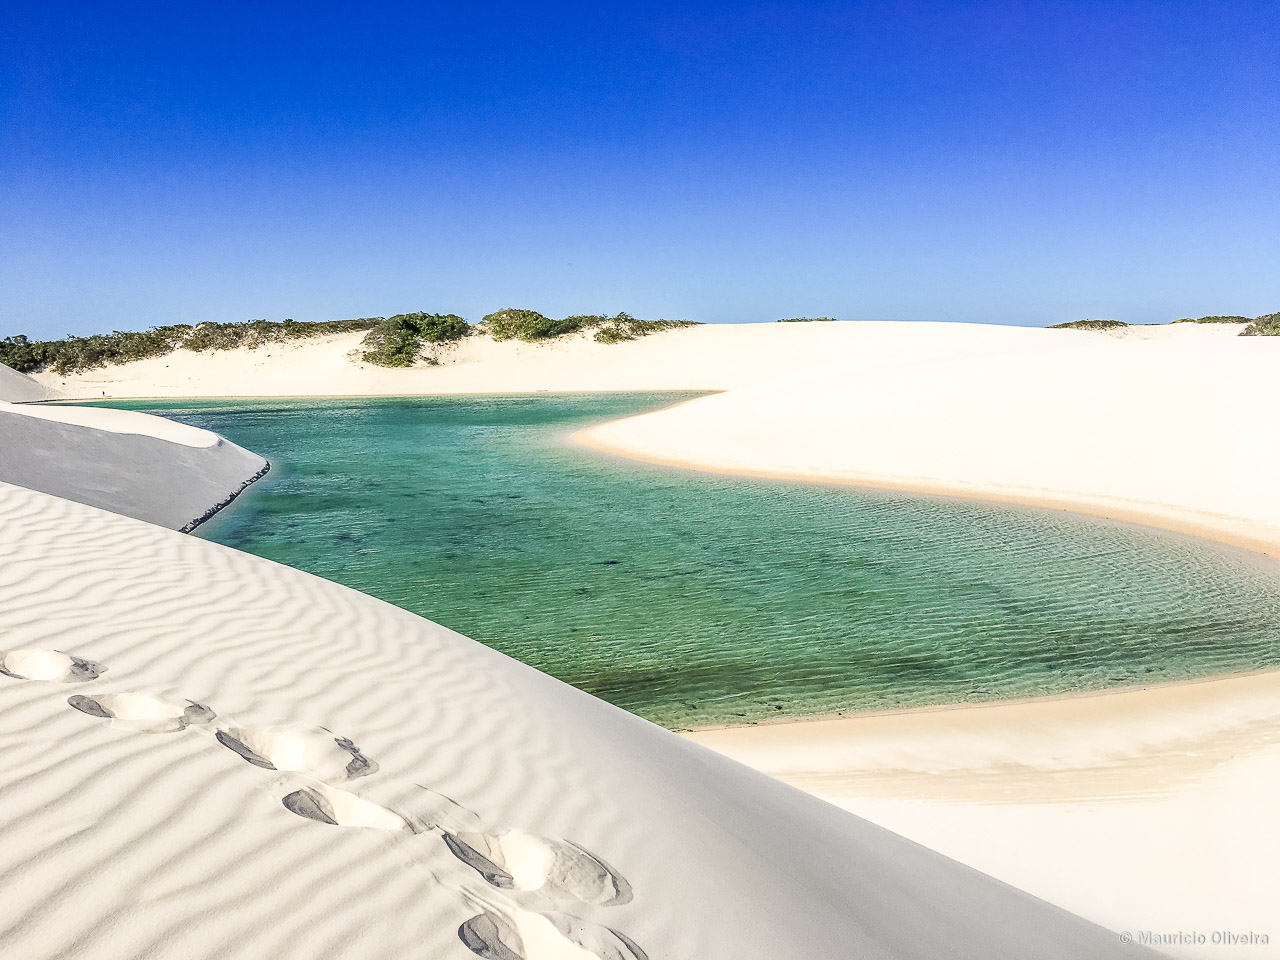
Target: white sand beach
[(1172, 431), (1139, 810), (1163, 798)]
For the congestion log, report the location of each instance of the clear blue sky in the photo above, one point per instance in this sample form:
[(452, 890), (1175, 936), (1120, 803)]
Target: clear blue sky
[(1017, 162)]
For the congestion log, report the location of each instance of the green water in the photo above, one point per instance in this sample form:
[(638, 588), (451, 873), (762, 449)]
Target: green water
[(694, 599)]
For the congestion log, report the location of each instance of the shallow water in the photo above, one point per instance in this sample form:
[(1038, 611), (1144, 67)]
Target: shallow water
[(694, 599)]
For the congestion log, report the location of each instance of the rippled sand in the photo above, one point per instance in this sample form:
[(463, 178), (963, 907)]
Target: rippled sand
[(210, 755)]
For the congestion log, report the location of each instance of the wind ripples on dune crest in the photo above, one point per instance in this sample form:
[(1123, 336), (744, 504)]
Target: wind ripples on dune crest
[(128, 795)]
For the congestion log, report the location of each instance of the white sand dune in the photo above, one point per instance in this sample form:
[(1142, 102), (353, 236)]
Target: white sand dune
[(1143, 809), (1174, 431), (206, 754), (138, 465), (708, 357), (17, 387)]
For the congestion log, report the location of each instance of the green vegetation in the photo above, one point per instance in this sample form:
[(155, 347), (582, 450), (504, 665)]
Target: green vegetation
[(83, 353), (392, 344), (1089, 325), (530, 326), (397, 341), (626, 327), (22, 354), (390, 341), (76, 354), (1264, 326), (257, 333)]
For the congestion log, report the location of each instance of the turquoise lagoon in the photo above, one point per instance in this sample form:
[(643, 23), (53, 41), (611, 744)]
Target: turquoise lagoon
[(694, 599)]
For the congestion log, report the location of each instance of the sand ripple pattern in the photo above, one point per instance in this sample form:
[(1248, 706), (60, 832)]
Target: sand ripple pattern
[(276, 766), (557, 869)]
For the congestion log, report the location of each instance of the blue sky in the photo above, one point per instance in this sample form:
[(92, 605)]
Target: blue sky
[(1015, 162)]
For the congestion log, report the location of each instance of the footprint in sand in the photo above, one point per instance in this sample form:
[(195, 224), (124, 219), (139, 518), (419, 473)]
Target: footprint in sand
[(326, 804), (143, 713), (317, 753), (559, 869), (513, 860), (50, 665), (526, 935)]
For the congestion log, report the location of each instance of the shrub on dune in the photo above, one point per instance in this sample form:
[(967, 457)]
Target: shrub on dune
[(626, 327), (1214, 319), (24, 355), (437, 327), (77, 354), (530, 326), (1089, 325), (397, 341), (1264, 326), (257, 333), (391, 344)]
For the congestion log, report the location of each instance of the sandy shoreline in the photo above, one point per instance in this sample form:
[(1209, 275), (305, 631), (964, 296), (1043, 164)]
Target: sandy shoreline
[(1232, 531), (1078, 731), (221, 505), (982, 705), (1128, 789)]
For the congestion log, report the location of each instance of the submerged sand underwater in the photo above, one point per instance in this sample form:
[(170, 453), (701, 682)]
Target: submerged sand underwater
[(697, 600)]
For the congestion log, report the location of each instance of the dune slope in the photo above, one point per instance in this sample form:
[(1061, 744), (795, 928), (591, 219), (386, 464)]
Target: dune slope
[(206, 754), (16, 387), (130, 463), (1167, 431), (1144, 809)]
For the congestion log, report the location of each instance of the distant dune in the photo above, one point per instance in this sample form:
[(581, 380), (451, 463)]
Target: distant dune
[(141, 466), (18, 388)]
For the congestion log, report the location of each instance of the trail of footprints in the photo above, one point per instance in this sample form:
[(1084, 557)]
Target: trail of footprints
[(518, 867)]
